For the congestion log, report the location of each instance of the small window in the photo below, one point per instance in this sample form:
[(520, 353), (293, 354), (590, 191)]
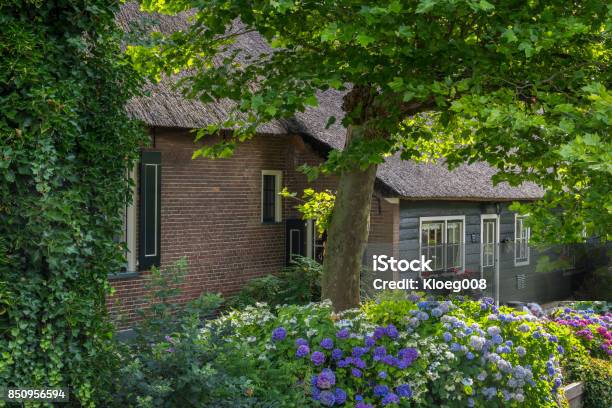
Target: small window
[(271, 206), (442, 242), (521, 241), (127, 237)]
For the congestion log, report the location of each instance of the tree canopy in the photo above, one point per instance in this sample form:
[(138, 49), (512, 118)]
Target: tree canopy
[(522, 85)]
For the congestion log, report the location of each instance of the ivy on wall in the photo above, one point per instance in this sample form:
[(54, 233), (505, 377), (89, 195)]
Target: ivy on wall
[(65, 142)]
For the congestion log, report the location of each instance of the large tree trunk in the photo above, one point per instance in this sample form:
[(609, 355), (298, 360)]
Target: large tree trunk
[(348, 233)]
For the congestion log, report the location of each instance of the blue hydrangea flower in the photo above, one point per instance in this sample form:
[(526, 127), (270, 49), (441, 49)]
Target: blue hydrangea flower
[(381, 390), (343, 334), (302, 351), (520, 350), (408, 354), (336, 354), (363, 405), (379, 332), (404, 390), (327, 343), (279, 334), (497, 339), (359, 363), (524, 328), (315, 392), (326, 379), (493, 330), (340, 396), (436, 312), (369, 341), (379, 353), (344, 363), (327, 398), (447, 337), (477, 342), (359, 351), (391, 331), (317, 358), (356, 372), (301, 342), (469, 355), (560, 349), (382, 375), (390, 398), (455, 347)]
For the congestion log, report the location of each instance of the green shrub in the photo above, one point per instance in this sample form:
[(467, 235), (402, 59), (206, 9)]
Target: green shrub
[(597, 377), (411, 352), (298, 283)]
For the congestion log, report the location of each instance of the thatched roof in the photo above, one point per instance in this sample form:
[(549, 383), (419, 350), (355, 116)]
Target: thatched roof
[(165, 107)]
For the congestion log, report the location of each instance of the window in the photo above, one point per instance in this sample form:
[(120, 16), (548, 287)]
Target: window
[(521, 241), (489, 239), (271, 206), (128, 232), (442, 241)]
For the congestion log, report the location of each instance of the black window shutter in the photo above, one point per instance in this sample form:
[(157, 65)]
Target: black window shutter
[(150, 210)]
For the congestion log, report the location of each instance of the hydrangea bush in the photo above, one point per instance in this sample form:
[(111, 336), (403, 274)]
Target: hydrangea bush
[(407, 351), (594, 330)]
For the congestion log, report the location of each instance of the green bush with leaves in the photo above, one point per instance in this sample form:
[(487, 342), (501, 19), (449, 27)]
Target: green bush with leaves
[(65, 146), (298, 283), (168, 365)]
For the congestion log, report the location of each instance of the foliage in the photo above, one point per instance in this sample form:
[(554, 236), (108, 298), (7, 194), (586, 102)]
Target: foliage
[(165, 365), (593, 330), (314, 205), (168, 364), (298, 283), (399, 352), (65, 145), (524, 88), (597, 377)]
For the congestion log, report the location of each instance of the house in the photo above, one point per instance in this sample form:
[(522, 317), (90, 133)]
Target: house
[(226, 217)]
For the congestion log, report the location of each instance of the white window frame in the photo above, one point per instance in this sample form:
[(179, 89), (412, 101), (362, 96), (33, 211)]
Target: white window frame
[(518, 240), (445, 219), (128, 233), (278, 204), (484, 217)]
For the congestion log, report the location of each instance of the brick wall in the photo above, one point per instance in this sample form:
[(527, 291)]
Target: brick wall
[(211, 214)]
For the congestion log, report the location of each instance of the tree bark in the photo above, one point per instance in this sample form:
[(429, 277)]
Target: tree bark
[(348, 233)]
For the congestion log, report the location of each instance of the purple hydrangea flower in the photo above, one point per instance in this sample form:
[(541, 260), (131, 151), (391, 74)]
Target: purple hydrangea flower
[(279, 334), (382, 374), (340, 396), (390, 398), (363, 405), (327, 398), (327, 343), (391, 331), (359, 363), (356, 372), (379, 353), (316, 393), (381, 390), (344, 363), (404, 390), (359, 351), (302, 351), (343, 334), (326, 379), (497, 339), (317, 358), (336, 354), (369, 341), (408, 354), (379, 332), (301, 342)]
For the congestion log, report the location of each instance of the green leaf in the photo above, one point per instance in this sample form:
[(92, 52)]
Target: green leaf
[(365, 39)]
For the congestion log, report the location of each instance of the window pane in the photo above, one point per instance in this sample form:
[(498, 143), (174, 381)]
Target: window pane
[(454, 241), (269, 197), (432, 245)]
